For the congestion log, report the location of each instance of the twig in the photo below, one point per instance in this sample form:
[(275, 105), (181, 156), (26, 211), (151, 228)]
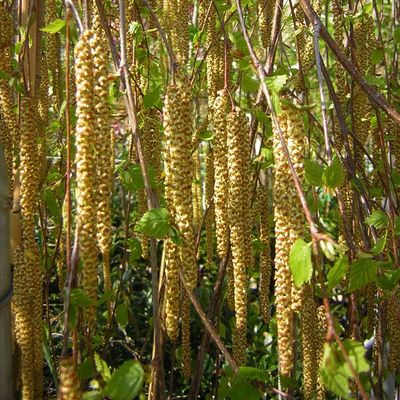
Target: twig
[(209, 326), (70, 6)]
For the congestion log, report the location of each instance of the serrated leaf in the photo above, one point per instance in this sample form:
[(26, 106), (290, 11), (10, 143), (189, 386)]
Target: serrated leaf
[(379, 246), (300, 262), (378, 219), (54, 26), (126, 382), (356, 353), (313, 172), (337, 272), (155, 223), (135, 249), (85, 369), (362, 272), (389, 281), (275, 83), (333, 175)]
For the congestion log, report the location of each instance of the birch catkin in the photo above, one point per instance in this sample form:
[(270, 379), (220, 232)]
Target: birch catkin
[(238, 163), (69, 382), (85, 170), (210, 207), (104, 149)]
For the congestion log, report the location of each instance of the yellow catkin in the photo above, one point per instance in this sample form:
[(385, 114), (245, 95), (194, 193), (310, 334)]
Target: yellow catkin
[(23, 322), (196, 190), (365, 42), (69, 382), (238, 165), (309, 342), (186, 348), (221, 173), (53, 51), (210, 208), (265, 256), (176, 22), (85, 170), (265, 15), (29, 177), (6, 143), (393, 321), (283, 284), (322, 328), (340, 72), (104, 150)]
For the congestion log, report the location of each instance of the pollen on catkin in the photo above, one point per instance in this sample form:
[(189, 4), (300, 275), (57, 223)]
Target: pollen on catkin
[(265, 256), (29, 178), (265, 15), (85, 170), (221, 189), (69, 382), (210, 207), (238, 164), (393, 321), (186, 347), (322, 328)]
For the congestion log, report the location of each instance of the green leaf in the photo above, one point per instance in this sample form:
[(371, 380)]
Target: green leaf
[(333, 175), (313, 172), (102, 367), (126, 382), (206, 135), (135, 250), (378, 219), (155, 223), (389, 281), (377, 56), (397, 34), (356, 353), (85, 369), (80, 298), (379, 246), (54, 26), (121, 314), (300, 262), (337, 272), (397, 226), (362, 272), (151, 98), (275, 82)]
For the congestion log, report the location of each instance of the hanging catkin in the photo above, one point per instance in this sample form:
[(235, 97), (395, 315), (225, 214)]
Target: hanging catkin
[(186, 348), (23, 322), (104, 150), (393, 321), (265, 256), (221, 172), (29, 177), (85, 170), (238, 165), (283, 284), (210, 207), (53, 45), (322, 328), (265, 15), (69, 382), (196, 190)]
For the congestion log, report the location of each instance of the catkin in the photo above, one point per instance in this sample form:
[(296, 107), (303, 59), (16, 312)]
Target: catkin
[(104, 150), (265, 256), (321, 334), (221, 173), (85, 170), (210, 217), (196, 190), (393, 321), (265, 15), (23, 321), (69, 382), (29, 177), (238, 165), (186, 348)]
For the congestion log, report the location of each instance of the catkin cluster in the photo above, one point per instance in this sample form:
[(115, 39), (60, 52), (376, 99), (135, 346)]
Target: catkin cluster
[(85, 168), (288, 227), (238, 167), (321, 334), (265, 256), (69, 382)]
